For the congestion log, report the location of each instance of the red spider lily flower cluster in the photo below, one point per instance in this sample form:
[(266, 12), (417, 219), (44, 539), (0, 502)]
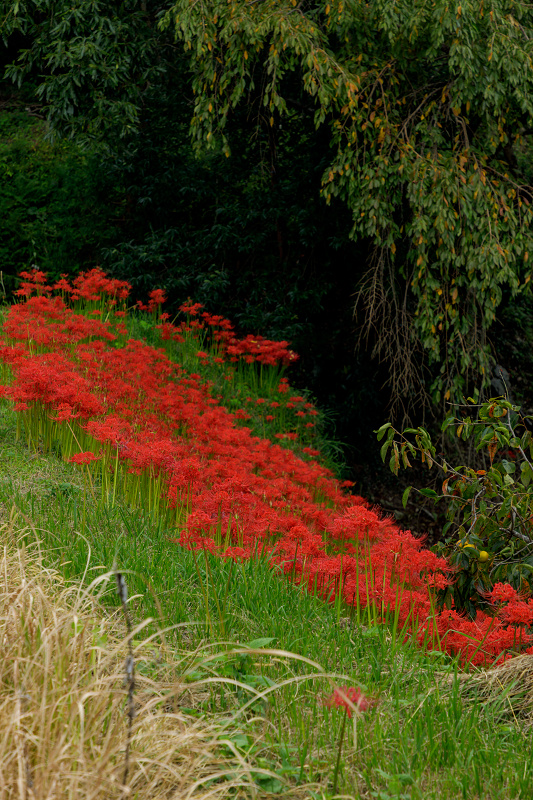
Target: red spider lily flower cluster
[(83, 458), (157, 298), (250, 349), (146, 425), (347, 697), (257, 348), (89, 286), (34, 281), (512, 606)]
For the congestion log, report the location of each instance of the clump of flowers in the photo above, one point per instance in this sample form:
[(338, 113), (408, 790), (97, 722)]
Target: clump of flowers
[(144, 423), (83, 458)]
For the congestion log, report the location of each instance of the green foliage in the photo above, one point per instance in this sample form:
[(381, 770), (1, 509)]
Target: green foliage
[(416, 117), (54, 201), (489, 532), (428, 107), (96, 61), (223, 232)]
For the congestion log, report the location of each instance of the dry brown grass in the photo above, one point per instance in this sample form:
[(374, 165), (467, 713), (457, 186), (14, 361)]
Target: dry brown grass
[(506, 690), (63, 720)]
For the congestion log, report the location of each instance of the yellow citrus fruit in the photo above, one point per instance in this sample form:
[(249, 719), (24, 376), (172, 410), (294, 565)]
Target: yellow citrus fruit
[(483, 555), (467, 545)]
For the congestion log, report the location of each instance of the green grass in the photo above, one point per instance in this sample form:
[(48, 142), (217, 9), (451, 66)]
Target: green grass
[(421, 741)]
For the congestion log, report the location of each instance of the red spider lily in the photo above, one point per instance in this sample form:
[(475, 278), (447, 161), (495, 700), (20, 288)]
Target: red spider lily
[(83, 458), (92, 284), (347, 697), (62, 285), (34, 281), (503, 593), (236, 492), (518, 612), (64, 412), (157, 297), (192, 309)]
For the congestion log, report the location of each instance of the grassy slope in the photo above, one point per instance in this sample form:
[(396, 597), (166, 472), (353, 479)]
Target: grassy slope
[(64, 693), (420, 742)]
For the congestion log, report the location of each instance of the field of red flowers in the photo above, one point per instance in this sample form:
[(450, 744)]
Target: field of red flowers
[(142, 423)]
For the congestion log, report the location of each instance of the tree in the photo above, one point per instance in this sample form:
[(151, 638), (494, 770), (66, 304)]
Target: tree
[(426, 106), (248, 236), (429, 108), (95, 63)]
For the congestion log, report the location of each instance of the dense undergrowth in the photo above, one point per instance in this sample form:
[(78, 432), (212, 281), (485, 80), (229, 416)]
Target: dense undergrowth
[(58, 206), (203, 514)]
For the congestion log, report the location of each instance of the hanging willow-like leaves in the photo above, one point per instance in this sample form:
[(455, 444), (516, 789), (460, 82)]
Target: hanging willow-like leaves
[(428, 109), (429, 105)]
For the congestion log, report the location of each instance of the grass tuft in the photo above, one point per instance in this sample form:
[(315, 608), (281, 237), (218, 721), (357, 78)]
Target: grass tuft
[(65, 721), (507, 689)]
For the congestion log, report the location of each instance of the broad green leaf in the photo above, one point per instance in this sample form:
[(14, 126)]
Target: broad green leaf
[(257, 644), (428, 492)]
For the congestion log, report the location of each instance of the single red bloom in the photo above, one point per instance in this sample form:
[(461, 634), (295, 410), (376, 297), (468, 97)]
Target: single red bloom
[(347, 697), (83, 458), (157, 296)]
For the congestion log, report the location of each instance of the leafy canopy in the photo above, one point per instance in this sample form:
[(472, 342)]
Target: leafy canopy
[(95, 61), (429, 106)]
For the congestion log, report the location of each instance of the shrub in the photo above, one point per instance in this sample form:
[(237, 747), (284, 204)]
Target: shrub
[(488, 536), (56, 202)]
